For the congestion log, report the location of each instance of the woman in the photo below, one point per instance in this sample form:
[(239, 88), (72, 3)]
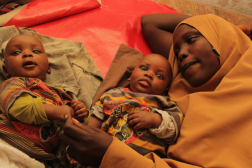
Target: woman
[(218, 117)]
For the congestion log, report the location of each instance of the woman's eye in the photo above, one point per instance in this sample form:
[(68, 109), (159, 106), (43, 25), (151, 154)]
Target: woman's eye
[(176, 53), (191, 39), (144, 68), (160, 76), (16, 53), (36, 51)]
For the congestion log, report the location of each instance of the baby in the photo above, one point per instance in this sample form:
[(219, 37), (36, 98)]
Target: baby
[(141, 116), (29, 106)]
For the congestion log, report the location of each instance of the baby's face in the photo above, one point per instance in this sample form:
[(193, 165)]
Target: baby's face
[(25, 56), (152, 75)]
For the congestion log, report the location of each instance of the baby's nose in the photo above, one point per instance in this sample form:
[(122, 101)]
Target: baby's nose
[(149, 75), (27, 53)]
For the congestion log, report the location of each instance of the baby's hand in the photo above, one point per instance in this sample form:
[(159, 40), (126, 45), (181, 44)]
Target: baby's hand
[(80, 110), (140, 119)]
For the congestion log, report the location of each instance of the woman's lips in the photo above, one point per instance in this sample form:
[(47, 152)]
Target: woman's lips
[(188, 65)]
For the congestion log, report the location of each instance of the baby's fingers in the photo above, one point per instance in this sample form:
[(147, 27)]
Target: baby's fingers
[(81, 111), (138, 126), (80, 106), (133, 121), (74, 104), (132, 115)]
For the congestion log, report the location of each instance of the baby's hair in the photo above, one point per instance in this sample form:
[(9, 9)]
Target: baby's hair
[(2, 54)]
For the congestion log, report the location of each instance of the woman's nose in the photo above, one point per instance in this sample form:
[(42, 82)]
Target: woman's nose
[(183, 53)]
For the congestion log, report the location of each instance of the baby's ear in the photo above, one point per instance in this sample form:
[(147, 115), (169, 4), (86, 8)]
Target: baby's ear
[(129, 79), (6, 74), (49, 69)]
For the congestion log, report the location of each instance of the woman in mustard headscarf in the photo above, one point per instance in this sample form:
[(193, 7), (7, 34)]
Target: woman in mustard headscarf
[(212, 69)]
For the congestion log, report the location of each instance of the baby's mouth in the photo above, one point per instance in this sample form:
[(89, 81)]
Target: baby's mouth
[(144, 83), (29, 64)]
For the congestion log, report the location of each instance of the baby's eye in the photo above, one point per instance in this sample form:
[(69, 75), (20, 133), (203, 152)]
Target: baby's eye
[(144, 68), (191, 39), (160, 76), (16, 53), (36, 51)]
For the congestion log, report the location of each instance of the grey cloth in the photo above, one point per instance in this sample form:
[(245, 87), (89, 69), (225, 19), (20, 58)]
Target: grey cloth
[(72, 66)]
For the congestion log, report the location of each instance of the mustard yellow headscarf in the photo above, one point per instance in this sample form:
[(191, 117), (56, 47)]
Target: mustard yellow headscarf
[(216, 131)]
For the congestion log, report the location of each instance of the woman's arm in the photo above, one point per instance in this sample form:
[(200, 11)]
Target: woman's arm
[(157, 30)]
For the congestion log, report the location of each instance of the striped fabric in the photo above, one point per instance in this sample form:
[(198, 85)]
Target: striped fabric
[(113, 108), (35, 140)]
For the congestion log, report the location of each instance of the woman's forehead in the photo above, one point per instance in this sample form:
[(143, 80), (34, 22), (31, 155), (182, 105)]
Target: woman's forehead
[(184, 28), (183, 31)]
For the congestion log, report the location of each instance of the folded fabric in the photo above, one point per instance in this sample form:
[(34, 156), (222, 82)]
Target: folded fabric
[(72, 67), (48, 11)]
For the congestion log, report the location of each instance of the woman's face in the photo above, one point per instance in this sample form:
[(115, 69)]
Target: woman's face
[(196, 59)]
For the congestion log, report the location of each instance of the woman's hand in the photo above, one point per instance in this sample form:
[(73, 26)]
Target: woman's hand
[(87, 145)]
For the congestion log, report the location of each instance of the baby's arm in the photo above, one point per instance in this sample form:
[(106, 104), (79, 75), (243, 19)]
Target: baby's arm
[(97, 115), (31, 110), (28, 109), (18, 102), (171, 122), (95, 122), (58, 113), (96, 111), (165, 125)]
